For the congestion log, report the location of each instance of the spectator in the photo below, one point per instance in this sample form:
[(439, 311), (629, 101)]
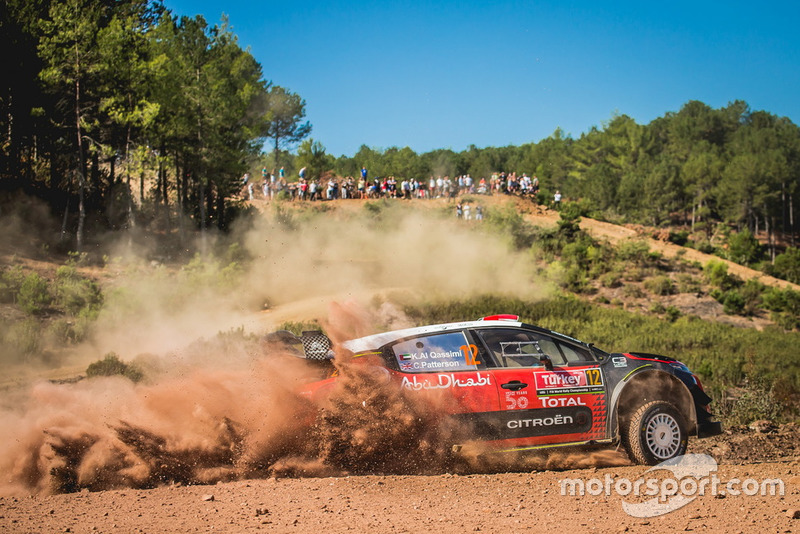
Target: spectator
[(557, 199), (330, 193)]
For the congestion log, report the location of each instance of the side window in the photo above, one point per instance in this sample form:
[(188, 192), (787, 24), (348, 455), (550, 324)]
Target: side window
[(439, 352), (520, 348), (575, 354)]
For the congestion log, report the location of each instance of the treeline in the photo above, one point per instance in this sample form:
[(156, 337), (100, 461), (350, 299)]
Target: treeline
[(119, 113), (110, 105), (699, 166)]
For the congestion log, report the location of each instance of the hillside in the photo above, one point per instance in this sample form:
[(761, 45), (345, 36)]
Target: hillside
[(26, 249)]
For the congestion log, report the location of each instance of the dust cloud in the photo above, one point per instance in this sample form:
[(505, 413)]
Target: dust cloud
[(218, 404), (244, 417), (220, 421), (294, 263)]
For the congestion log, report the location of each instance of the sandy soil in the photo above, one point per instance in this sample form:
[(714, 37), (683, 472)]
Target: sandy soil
[(532, 500)]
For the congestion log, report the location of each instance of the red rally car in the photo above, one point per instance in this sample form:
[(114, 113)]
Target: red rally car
[(521, 387)]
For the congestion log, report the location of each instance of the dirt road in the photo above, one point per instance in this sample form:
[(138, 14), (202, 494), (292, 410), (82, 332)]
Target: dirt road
[(531, 501)]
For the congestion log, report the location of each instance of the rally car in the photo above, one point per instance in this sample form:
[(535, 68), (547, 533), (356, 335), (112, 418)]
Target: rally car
[(520, 387)]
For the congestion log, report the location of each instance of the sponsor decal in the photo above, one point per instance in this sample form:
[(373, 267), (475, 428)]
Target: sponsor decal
[(444, 353), (517, 400), (555, 402), (431, 355), (619, 361), (426, 366), (445, 381), (566, 381), (540, 421), (530, 423)]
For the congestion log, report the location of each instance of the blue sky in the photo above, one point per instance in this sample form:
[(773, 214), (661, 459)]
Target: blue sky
[(449, 74)]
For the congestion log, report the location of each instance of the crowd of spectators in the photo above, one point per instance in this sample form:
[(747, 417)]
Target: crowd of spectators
[(363, 187)]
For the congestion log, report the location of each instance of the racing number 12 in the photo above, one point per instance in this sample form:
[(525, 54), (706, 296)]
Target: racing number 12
[(593, 377), (470, 354)]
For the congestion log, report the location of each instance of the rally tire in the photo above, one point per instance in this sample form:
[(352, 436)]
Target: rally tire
[(655, 432)]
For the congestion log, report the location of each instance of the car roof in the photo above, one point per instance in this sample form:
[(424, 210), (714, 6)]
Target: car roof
[(376, 341)]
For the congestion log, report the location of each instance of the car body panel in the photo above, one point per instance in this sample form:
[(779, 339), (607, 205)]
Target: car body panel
[(519, 386)]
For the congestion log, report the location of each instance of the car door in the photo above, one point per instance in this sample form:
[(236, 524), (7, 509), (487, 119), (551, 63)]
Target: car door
[(541, 405), (447, 369)]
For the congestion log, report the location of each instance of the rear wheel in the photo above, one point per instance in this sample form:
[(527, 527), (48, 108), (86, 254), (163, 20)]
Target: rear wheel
[(655, 432)]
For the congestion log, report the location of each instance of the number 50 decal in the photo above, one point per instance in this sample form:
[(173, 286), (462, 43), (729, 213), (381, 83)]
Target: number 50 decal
[(470, 354)]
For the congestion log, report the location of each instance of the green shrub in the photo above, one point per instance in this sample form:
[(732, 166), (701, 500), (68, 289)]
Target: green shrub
[(704, 246), (752, 292), (717, 274), (60, 332), (10, 282), (687, 283), (611, 279), (673, 313), (74, 293), (634, 274), (635, 251), (754, 401), (574, 253), (574, 279), (569, 222), (743, 248), (680, 237), (657, 307), (111, 365), (24, 337), (659, 285), (34, 295), (787, 265), (733, 302), (509, 222), (786, 321), (632, 291)]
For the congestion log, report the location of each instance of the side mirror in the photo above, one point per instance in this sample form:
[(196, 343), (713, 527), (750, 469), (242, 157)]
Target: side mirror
[(545, 360)]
